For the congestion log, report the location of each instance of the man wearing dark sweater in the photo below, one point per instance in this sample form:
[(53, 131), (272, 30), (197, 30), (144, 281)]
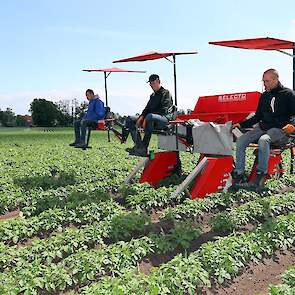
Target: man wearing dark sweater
[(156, 114), (275, 120)]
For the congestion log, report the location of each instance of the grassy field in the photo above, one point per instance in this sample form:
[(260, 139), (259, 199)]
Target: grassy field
[(69, 226)]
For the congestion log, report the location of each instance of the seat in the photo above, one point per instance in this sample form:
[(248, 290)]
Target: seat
[(103, 124), (275, 161)]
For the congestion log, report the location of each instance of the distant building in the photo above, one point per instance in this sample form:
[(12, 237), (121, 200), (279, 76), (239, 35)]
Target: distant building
[(28, 120), (25, 121)]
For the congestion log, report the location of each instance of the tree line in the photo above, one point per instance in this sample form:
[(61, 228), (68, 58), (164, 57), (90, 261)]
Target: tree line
[(45, 113), (9, 119)]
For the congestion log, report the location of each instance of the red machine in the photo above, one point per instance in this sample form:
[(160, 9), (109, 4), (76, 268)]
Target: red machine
[(212, 172)]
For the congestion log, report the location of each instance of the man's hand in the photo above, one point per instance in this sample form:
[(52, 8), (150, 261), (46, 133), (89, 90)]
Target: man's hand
[(289, 128), (139, 121), (236, 125)]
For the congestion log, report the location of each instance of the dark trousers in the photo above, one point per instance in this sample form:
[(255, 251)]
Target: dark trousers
[(80, 129), (153, 121)]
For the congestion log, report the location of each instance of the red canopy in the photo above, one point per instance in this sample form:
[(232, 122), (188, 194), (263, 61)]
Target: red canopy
[(112, 70), (156, 55), (152, 55), (257, 43)]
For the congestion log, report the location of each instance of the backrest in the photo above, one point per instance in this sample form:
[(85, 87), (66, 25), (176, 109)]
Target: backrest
[(107, 112), (174, 112)]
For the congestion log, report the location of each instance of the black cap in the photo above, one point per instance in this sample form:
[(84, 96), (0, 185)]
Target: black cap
[(153, 77)]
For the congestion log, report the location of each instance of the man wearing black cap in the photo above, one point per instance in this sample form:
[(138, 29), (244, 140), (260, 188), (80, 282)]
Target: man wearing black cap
[(156, 114)]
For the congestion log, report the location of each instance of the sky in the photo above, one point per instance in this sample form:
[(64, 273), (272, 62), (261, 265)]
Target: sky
[(46, 44)]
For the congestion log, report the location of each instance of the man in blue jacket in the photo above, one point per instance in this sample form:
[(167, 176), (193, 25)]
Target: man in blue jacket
[(95, 112)]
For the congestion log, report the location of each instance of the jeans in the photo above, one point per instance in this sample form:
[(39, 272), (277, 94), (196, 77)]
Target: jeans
[(80, 129), (264, 139), (153, 121)]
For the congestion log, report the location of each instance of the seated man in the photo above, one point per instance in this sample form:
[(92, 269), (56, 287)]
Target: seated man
[(274, 116), (95, 112), (156, 114)]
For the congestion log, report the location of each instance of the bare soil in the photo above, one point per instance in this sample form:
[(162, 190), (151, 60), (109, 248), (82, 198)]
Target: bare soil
[(256, 278), (10, 214)]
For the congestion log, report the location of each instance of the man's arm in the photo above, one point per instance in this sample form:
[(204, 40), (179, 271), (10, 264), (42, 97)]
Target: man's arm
[(248, 123), (167, 100), (289, 128), (152, 105), (256, 118)]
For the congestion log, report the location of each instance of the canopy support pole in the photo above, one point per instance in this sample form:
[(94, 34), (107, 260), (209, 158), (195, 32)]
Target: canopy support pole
[(197, 170), (175, 88), (106, 95), (284, 52), (140, 164), (175, 95)]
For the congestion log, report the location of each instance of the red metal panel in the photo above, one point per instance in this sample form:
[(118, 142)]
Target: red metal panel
[(163, 165), (213, 178), (257, 43), (225, 107), (275, 165)]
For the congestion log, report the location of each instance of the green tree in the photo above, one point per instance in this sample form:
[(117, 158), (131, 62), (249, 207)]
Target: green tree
[(66, 118), (8, 118), (45, 113)]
